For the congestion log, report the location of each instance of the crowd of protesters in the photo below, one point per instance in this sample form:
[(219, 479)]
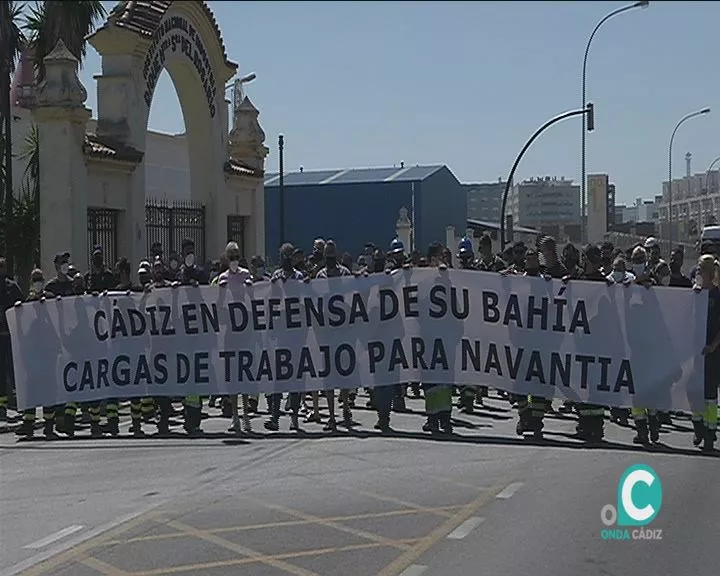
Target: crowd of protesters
[(641, 264)]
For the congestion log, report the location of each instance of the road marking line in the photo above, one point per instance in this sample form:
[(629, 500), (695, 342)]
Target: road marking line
[(509, 491), (198, 568), (54, 537), (465, 528), (77, 547), (283, 524), (238, 549), (389, 499), (414, 570), (328, 524), (45, 561), (402, 562), (102, 567)]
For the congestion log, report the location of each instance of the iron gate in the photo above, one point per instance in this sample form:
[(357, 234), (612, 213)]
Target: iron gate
[(103, 230), (167, 224), (236, 232)]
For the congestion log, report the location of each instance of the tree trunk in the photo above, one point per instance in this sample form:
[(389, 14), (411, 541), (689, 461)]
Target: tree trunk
[(9, 194)]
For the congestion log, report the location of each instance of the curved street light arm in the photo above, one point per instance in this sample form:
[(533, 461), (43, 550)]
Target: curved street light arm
[(527, 145), (672, 138), (607, 17)]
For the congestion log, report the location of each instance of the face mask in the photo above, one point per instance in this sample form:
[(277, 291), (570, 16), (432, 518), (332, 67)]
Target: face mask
[(64, 268), (330, 261), (698, 279), (37, 287), (173, 264), (638, 269), (665, 281), (618, 275), (234, 265), (190, 260)]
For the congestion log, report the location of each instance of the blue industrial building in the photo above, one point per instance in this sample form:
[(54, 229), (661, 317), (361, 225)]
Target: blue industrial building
[(356, 206)]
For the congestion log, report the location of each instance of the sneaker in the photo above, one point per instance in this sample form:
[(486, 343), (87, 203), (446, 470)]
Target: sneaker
[(331, 426)]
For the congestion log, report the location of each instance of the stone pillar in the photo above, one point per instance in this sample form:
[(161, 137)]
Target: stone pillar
[(61, 117), (246, 145), (451, 242), (403, 228)]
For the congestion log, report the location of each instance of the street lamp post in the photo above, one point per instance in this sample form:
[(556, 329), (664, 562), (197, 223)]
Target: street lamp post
[(642, 4), (281, 149), (589, 110), (670, 194)]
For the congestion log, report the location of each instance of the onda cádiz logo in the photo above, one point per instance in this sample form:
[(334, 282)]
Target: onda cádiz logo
[(640, 496)]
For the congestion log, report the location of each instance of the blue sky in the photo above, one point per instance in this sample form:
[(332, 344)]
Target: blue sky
[(466, 83)]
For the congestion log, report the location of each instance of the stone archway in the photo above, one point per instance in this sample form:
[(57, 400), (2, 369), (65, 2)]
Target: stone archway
[(139, 40)]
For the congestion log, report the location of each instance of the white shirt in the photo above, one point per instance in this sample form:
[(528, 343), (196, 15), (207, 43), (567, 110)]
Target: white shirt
[(238, 277)]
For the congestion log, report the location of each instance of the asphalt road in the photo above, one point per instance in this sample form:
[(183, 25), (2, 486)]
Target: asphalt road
[(355, 503)]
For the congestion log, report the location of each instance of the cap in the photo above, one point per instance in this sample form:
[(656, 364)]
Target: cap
[(97, 249), (330, 249), (318, 244), (650, 242), (144, 266), (61, 256), (396, 246)]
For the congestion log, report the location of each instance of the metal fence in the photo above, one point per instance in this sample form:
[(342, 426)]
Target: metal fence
[(103, 230), (167, 224)]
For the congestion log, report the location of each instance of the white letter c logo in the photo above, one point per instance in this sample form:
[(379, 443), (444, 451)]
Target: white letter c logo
[(635, 477)]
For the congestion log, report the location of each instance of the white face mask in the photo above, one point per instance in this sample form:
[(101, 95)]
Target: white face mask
[(37, 287), (190, 260), (618, 275), (234, 265), (64, 268)]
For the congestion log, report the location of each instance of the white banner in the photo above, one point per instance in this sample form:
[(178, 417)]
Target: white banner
[(584, 341)]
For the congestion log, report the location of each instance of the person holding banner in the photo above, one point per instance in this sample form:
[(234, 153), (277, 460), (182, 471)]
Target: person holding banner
[(191, 275), (164, 403), (334, 269), (705, 424), (9, 294), (27, 428), (286, 272), (438, 397), (62, 286), (112, 407), (466, 257), (236, 275), (591, 417)]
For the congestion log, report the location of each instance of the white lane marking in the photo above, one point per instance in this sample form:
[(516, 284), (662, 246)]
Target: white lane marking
[(465, 528), (414, 570), (509, 490), (54, 537)]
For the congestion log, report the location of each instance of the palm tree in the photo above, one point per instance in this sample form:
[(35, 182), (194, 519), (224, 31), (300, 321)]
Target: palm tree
[(12, 42), (68, 20)]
